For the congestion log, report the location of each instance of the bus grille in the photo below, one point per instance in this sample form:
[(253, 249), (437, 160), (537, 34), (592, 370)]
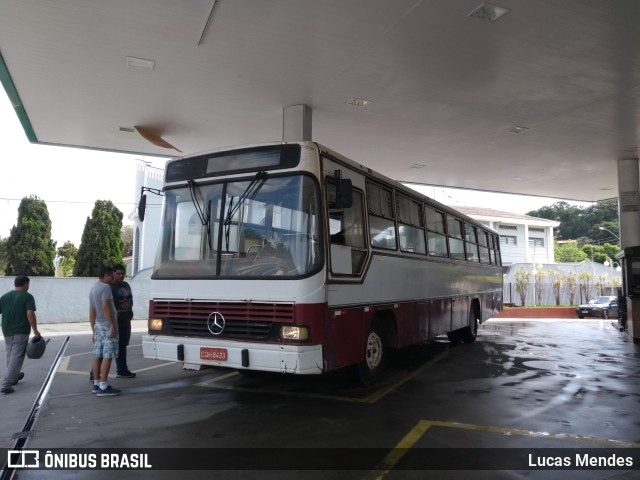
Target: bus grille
[(243, 320)]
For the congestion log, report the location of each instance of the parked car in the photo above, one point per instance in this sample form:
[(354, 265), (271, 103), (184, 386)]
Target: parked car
[(604, 306)]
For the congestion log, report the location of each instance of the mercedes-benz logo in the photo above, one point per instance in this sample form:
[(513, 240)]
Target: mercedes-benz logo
[(216, 323)]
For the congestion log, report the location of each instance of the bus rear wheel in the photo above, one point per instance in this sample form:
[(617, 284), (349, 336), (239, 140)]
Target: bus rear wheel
[(469, 333), (466, 334), (374, 354)]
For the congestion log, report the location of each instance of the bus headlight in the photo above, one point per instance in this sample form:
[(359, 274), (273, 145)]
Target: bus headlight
[(288, 332), (155, 324)]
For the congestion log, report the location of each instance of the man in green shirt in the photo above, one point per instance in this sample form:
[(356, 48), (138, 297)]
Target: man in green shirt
[(18, 309)]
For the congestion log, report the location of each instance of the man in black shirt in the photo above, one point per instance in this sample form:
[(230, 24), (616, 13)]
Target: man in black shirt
[(123, 300)]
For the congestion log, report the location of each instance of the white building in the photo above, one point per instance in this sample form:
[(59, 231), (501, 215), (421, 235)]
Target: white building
[(523, 239), (145, 234)]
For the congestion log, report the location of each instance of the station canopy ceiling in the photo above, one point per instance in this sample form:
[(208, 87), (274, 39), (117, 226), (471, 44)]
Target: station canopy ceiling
[(542, 100)]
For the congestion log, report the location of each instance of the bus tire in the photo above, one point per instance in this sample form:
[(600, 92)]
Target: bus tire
[(374, 354), (469, 333), (454, 337)]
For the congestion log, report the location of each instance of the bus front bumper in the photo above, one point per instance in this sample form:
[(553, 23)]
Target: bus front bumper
[(298, 359)]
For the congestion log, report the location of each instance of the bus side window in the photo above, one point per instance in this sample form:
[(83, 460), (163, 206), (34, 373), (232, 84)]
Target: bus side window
[(495, 250), (436, 236), (456, 242), (382, 227), (471, 242), (483, 246), (411, 228)]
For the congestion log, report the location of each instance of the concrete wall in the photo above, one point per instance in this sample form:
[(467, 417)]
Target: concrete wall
[(66, 299)]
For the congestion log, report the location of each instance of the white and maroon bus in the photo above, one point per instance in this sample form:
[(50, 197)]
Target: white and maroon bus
[(292, 258)]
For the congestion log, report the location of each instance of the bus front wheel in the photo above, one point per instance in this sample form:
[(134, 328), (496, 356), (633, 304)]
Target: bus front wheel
[(374, 353)]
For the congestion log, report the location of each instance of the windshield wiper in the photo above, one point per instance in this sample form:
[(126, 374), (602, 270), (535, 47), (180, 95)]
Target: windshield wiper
[(252, 189), (205, 219)]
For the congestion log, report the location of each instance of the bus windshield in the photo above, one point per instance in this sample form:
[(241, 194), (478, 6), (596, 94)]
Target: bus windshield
[(261, 227)]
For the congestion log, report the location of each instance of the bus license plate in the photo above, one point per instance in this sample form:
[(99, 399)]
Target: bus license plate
[(208, 353)]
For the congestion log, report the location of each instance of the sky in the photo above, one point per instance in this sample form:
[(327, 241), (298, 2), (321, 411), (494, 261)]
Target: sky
[(70, 180), (522, 204)]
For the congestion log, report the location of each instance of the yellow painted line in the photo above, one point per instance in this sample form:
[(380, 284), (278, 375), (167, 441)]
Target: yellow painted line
[(64, 364), (395, 455), (153, 367), (217, 379), (64, 367), (377, 395), (368, 400), (374, 397), (528, 433), (213, 384)]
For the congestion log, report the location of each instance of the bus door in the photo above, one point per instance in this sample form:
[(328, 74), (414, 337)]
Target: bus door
[(347, 240)]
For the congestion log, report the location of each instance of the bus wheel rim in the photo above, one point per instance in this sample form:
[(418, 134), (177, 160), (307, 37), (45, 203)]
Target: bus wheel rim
[(374, 351)]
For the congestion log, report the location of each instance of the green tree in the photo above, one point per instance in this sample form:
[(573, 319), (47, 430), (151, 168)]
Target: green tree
[(101, 242), (610, 250), (127, 238), (4, 261), (569, 253), (68, 254), (602, 236), (600, 253), (30, 250), (577, 222)]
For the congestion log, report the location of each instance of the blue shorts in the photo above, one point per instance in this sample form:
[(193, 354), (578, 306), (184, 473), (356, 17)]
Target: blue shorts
[(103, 346)]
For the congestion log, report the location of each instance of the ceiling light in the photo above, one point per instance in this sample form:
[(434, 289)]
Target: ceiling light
[(359, 102), (487, 12), (126, 129), (517, 129), (140, 63), (605, 188), (518, 179), (417, 166)]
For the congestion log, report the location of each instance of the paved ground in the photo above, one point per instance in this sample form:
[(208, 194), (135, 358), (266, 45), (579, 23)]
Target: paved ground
[(523, 384)]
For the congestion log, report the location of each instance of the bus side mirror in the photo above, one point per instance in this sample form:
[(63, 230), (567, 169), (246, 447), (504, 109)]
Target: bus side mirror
[(344, 194), (142, 205)]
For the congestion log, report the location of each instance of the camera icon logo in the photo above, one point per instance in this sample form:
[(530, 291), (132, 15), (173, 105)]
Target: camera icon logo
[(23, 459)]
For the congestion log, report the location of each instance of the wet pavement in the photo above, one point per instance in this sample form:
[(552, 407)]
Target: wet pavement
[(525, 384)]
